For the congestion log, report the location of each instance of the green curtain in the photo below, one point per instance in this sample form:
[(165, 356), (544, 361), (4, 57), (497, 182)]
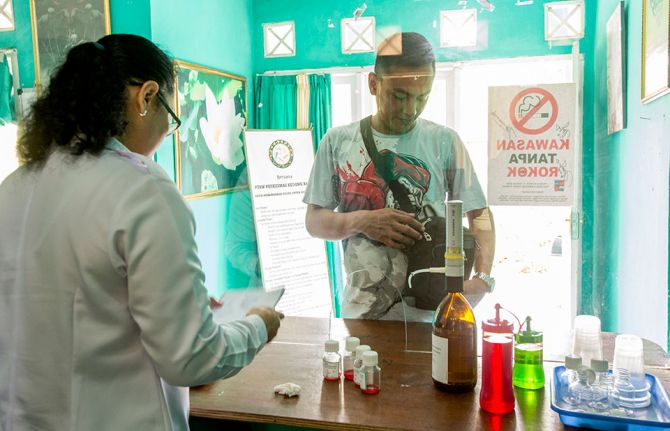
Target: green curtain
[(276, 102), (320, 111), (321, 119), (7, 111)]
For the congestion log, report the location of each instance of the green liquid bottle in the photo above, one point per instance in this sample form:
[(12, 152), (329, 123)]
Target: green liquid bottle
[(528, 372)]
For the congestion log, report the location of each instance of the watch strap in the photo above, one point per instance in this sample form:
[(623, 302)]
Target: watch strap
[(486, 278)]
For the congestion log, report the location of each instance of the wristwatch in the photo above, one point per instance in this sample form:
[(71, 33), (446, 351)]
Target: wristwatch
[(490, 281)]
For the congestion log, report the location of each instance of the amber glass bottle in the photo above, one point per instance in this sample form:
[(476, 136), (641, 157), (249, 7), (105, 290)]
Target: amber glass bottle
[(454, 328)]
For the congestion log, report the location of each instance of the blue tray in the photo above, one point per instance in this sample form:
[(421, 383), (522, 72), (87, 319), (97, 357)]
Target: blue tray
[(654, 417)]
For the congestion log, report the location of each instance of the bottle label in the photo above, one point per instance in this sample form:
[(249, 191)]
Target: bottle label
[(331, 370), (440, 359)]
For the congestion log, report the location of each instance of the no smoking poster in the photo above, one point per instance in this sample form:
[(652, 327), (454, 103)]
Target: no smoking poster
[(531, 145)]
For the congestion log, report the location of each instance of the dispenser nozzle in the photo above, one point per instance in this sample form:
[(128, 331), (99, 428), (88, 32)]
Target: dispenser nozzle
[(527, 324)]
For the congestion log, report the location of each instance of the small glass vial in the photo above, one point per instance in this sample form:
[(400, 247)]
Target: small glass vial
[(350, 345), (601, 387), (572, 364), (371, 374), (358, 362), (332, 362), (569, 376), (580, 393)]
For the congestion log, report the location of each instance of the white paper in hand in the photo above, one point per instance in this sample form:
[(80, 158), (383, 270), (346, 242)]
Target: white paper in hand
[(236, 303)]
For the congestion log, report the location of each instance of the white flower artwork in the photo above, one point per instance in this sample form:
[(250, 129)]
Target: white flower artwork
[(222, 129), (209, 144)]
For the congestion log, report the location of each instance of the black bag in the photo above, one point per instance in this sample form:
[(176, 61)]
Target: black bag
[(428, 288)]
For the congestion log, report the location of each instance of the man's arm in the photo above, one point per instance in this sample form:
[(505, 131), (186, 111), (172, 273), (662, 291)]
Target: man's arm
[(393, 228), (483, 228)]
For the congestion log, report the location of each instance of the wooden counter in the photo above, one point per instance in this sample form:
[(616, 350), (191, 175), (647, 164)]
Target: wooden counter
[(408, 399)]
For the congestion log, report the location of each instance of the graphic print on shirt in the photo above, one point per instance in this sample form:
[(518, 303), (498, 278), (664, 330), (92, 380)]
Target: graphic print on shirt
[(369, 191)]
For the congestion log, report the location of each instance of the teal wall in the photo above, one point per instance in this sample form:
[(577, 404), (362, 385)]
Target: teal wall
[(131, 16), (509, 31), (630, 194), (216, 34)]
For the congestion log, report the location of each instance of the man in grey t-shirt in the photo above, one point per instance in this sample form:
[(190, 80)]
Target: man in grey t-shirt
[(348, 200)]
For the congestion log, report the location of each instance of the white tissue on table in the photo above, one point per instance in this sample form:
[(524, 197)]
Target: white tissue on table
[(288, 389)]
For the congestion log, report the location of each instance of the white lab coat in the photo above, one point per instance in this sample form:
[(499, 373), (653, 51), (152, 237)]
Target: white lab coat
[(104, 317)]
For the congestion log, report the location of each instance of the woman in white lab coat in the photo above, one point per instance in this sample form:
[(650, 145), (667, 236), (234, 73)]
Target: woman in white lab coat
[(104, 317)]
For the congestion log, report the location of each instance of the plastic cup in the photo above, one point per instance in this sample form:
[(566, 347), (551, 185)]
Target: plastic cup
[(629, 354), (586, 339), (631, 389)]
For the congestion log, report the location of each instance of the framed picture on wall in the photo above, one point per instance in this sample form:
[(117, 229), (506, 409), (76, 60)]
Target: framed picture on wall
[(616, 107), (58, 25), (655, 48), (209, 152)]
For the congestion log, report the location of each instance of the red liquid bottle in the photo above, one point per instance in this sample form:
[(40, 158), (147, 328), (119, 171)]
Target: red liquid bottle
[(497, 394)]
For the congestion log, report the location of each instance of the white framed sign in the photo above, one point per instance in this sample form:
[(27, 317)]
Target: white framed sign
[(531, 145), (279, 163)]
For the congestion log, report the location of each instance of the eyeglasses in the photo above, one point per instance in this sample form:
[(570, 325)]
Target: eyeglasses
[(175, 122)]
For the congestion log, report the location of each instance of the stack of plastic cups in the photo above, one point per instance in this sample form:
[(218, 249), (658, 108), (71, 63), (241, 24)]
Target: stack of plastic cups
[(631, 389), (586, 341)]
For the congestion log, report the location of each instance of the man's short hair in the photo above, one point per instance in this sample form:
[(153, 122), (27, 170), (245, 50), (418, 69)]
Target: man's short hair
[(407, 49)]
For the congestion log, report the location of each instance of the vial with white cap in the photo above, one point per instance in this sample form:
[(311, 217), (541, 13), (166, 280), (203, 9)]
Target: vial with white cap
[(570, 376), (350, 345), (371, 374), (332, 362), (358, 362), (602, 387)]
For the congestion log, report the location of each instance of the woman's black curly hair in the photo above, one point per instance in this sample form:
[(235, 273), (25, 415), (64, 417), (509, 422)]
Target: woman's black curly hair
[(85, 102)]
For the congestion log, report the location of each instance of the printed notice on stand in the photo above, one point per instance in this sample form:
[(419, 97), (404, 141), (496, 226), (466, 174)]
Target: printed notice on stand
[(532, 143), (279, 163)]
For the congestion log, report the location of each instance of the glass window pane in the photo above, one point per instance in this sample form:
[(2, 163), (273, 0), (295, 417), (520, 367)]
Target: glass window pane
[(436, 108), (358, 35), (564, 20), (6, 15), (458, 28), (341, 104), (279, 39)]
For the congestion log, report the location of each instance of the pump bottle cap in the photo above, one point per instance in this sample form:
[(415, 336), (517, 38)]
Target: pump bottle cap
[(528, 336), (498, 325), (332, 346), (370, 358), (351, 343), (360, 349)]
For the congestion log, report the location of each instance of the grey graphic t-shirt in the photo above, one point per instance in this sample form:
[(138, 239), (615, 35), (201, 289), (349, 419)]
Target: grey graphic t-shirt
[(430, 161)]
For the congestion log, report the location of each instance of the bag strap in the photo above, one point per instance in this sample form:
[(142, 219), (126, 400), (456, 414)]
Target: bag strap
[(382, 164)]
